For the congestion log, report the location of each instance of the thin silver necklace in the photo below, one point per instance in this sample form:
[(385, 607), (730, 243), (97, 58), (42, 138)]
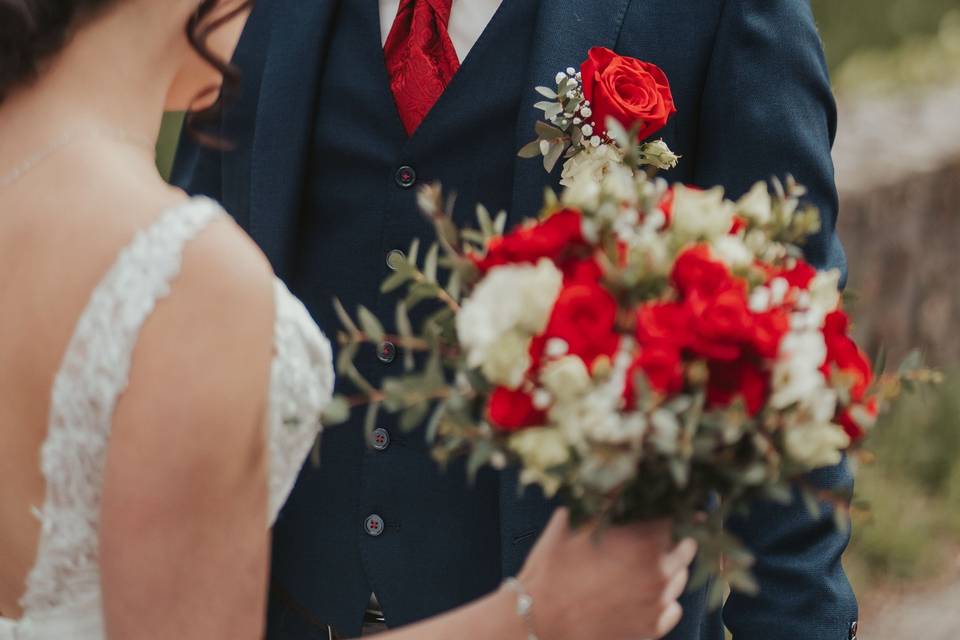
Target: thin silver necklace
[(65, 141)]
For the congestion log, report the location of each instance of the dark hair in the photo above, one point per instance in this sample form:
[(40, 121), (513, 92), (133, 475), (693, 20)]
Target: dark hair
[(31, 31)]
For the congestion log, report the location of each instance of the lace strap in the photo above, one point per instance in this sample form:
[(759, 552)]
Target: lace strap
[(93, 375)]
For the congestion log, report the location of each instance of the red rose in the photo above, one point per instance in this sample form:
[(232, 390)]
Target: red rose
[(723, 325), (695, 270), (844, 355), (513, 410), (586, 271), (668, 323), (768, 331), (550, 238), (629, 90), (662, 367), (740, 379), (800, 276), (584, 316)]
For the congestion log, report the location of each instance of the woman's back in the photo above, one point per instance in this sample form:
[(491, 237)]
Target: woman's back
[(86, 287)]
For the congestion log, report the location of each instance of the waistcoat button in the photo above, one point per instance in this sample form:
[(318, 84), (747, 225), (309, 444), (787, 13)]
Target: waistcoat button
[(406, 177), (380, 439), (373, 525)]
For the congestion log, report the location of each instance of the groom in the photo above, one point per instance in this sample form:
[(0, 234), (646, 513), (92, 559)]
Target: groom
[(347, 107)]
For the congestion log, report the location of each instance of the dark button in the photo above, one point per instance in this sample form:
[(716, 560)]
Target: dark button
[(373, 525), (380, 439), (406, 177), (853, 630), (396, 258), (386, 352)]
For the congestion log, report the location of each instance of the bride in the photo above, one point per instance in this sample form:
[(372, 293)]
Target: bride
[(160, 389)]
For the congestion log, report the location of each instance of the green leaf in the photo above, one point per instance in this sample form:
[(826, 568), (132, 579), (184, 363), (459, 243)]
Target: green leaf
[(370, 420), (530, 150), (548, 132), (486, 224), (344, 317), (433, 425), (412, 417), (812, 504), (337, 412), (371, 326), (405, 328), (743, 581), (500, 224), (453, 287), (430, 265), (553, 156), (880, 362), (419, 292), (414, 252), (546, 92), (394, 282), (911, 363), (345, 358)]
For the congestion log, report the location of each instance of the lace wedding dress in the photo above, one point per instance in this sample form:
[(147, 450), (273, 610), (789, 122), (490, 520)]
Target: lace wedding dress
[(62, 600)]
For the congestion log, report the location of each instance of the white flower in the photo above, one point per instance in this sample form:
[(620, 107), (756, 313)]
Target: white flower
[(757, 204), (666, 431), (732, 250), (587, 130), (567, 377), (561, 77), (699, 215), (541, 449), (760, 299), (816, 445), (595, 141), (510, 298), (586, 111), (825, 293), (796, 374), (658, 154), (620, 184), (590, 164), (508, 359)]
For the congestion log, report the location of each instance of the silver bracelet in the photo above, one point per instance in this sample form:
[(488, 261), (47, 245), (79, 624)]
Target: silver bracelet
[(524, 605)]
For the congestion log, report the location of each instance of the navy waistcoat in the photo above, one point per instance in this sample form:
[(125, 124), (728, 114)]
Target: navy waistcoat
[(360, 204)]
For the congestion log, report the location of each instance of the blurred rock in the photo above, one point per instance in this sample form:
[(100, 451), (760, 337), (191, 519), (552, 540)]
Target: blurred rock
[(898, 169)]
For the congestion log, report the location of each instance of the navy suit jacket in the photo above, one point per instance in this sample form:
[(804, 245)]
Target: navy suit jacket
[(754, 101)]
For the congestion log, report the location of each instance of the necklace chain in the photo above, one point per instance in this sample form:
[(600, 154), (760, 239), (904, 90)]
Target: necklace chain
[(65, 141)]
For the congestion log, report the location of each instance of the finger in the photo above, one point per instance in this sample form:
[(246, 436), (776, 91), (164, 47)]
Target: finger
[(676, 586), (680, 557), (558, 528), (669, 619)]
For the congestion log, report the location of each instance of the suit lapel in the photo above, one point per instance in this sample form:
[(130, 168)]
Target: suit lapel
[(566, 30), (273, 169)]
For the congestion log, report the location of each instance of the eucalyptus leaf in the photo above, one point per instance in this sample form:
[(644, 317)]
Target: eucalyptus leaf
[(430, 264), (337, 412), (405, 328), (486, 223), (344, 317), (453, 287), (617, 133), (433, 424), (546, 92), (812, 504), (412, 417), (393, 282), (371, 325), (530, 150), (419, 292), (370, 420), (911, 363), (553, 156), (414, 252), (500, 224), (548, 132)]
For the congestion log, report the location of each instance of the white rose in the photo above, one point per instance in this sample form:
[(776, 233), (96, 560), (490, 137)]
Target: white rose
[(508, 359), (584, 173), (757, 204), (825, 293), (540, 449), (701, 215), (510, 298), (816, 445), (659, 155), (566, 378), (733, 251), (620, 184), (796, 374)]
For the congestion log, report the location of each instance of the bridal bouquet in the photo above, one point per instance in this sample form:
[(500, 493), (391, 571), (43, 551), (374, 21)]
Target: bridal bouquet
[(639, 350)]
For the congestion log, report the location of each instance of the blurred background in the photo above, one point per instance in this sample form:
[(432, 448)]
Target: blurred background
[(896, 71)]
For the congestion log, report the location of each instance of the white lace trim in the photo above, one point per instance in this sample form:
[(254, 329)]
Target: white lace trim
[(63, 588), (92, 376)]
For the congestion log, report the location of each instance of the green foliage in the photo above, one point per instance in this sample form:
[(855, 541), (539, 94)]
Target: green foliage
[(848, 26), (911, 492)]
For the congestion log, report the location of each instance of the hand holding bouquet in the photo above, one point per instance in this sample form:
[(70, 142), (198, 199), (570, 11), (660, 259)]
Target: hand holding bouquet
[(639, 350)]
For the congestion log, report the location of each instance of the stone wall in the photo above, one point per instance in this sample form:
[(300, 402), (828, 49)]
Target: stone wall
[(898, 167)]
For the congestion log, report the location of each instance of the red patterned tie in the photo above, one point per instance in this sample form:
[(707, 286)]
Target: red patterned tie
[(420, 57)]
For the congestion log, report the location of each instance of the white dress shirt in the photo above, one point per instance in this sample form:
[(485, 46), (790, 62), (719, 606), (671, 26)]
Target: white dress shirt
[(468, 19)]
